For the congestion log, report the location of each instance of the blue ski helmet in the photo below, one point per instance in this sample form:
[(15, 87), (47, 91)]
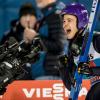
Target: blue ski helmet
[(79, 11)]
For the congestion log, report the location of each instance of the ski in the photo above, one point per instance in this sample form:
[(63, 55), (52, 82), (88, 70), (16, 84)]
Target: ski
[(85, 50)]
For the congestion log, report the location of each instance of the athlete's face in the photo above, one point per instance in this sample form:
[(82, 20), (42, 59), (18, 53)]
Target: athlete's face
[(70, 26)]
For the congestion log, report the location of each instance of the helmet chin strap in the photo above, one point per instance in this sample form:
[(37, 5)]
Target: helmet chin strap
[(81, 31)]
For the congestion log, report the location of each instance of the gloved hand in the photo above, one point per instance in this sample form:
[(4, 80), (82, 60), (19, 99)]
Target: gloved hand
[(84, 68)]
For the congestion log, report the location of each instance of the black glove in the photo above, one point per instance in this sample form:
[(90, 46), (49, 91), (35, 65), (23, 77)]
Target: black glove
[(84, 68)]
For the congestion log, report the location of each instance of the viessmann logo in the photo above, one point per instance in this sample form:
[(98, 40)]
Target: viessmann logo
[(42, 90), (56, 92)]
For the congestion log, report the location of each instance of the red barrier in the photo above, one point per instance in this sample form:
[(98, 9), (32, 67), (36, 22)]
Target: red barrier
[(42, 90)]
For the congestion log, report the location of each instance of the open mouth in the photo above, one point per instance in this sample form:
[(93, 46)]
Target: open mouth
[(68, 31)]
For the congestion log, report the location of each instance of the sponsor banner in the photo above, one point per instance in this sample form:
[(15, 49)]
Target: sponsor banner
[(42, 90)]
